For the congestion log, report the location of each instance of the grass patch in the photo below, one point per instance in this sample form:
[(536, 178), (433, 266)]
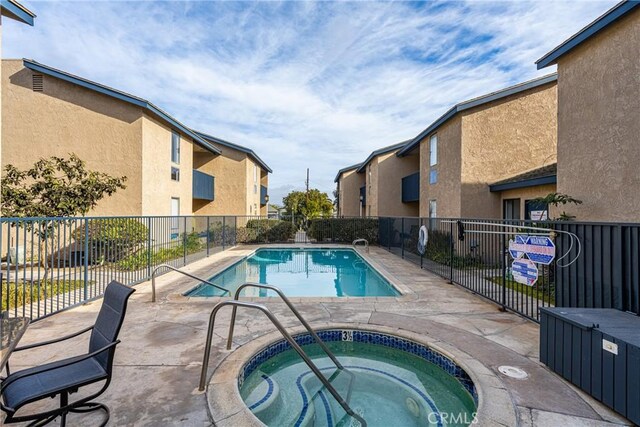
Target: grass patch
[(24, 293), (543, 291)]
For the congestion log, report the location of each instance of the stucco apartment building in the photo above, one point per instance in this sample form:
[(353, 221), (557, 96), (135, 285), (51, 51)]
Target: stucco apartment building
[(382, 185), (170, 168), (242, 186), (13, 10), (599, 116), (385, 182), (482, 141), (349, 195)]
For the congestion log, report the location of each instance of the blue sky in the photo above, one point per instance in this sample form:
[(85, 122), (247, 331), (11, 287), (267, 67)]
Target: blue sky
[(305, 84)]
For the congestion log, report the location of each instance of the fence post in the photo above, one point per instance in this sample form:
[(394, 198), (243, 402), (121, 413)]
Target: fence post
[(451, 244), (208, 235), (402, 237), (184, 243), (224, 234), (421, 223), (86, 257), (503, 259), (149, 248)]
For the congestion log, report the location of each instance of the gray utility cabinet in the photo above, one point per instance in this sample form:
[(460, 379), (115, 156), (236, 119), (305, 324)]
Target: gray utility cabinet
[(598, 350)]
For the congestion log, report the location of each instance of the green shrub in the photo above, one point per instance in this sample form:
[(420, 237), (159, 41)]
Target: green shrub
[(188, 242), (266, 230), (344, 230), (112, 239), (27, 292), (222, 236)]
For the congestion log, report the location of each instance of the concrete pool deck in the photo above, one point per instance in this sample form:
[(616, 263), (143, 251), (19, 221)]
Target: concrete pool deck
[(157, 365)]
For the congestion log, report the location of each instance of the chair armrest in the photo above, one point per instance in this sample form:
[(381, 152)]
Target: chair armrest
[(64, 362), (27, 347)]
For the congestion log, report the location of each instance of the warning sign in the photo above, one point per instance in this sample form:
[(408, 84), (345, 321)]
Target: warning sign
[(524, 271), (539, 249)]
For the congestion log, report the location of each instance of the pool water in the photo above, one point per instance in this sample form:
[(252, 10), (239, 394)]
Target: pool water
[(391, 387), (302, 273)]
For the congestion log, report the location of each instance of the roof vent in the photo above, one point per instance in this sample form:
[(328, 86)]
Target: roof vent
[(38, 82)]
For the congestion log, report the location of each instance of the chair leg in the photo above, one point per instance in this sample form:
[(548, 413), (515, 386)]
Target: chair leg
[(43, 422), (93, 406)]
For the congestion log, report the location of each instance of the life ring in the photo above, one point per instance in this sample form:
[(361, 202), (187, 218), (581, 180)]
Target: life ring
[(423, 238)]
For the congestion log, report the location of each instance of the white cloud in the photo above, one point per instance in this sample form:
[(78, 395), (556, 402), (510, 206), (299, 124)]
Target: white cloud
[(304, 84)]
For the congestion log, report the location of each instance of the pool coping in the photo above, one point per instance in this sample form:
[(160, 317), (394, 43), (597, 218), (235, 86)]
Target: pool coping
[(226, 406), (177, 294)]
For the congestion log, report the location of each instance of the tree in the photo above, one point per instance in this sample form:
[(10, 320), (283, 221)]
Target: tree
[(54, 187), (557, 199), (313, 204)]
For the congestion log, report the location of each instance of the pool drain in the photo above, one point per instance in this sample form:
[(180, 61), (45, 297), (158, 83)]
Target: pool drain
[(513, 372)]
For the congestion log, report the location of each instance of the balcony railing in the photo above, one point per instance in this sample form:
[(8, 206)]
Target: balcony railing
[(264, 197), (411, 188), (203, 186)]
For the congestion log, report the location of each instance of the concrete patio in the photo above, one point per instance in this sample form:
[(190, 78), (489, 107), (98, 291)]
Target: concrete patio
[(158, 363)]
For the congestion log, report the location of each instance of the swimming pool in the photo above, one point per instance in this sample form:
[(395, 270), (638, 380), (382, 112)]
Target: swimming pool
[(389, 381), (302, 272)]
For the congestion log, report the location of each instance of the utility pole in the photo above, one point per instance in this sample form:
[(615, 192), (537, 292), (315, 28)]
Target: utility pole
[(307, 182)]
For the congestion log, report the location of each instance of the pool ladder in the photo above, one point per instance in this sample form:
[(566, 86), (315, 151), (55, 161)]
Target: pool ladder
[(365, 241), (170, 267), (235, 303)]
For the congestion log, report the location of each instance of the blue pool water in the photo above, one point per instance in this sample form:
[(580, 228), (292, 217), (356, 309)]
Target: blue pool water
[(302, 273)]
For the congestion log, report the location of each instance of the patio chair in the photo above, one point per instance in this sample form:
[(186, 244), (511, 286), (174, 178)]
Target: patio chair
[(63, 377)]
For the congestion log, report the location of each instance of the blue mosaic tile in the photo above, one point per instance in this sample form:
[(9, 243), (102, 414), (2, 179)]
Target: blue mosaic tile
[(391, 341)]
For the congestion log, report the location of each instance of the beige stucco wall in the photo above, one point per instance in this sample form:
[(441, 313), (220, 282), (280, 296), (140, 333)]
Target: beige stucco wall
[(599, 124), (349, 193), (66, 118), (502, 139), (529, 193), (391, 169), (253, 188), (229, 170), (371, 182), (446, 191), (264, 181), (157, 186)]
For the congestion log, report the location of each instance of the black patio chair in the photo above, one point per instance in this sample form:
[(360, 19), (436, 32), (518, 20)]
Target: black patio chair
[(66, 376)]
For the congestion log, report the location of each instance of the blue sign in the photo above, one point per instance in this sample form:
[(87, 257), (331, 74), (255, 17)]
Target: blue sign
[(524, 271), (517, 247), (540, 249)]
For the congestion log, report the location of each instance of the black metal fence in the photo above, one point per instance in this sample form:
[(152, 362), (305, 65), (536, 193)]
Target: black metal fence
[(600, 271), (50, 264)]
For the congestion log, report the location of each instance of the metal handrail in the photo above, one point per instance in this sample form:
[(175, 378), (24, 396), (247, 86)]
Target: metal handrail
[(301, 319), (290, 340), (366, 243), (170, 267), (291, 307)]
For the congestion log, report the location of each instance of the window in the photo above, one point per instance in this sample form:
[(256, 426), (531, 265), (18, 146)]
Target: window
[(433, 159), (175, 174), (433, 150), (250, 209), (511, 209), (255, 174), (535, 210), (433, 176), (175, 148), (432, 214), (432, 209), (175, 221)]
